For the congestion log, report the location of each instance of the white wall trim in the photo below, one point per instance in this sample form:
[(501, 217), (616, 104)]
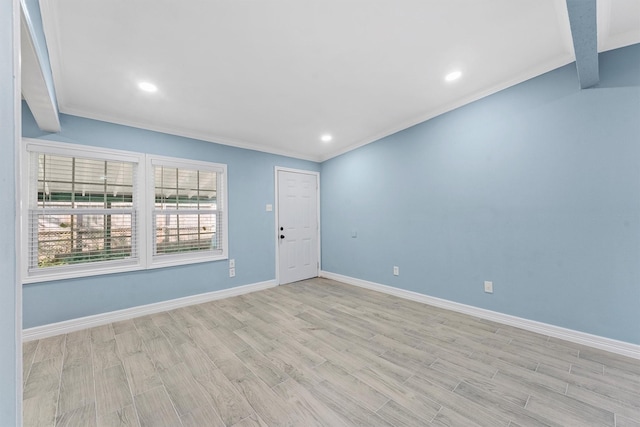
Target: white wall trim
[(72, 325), (595, 341), (16, 8)]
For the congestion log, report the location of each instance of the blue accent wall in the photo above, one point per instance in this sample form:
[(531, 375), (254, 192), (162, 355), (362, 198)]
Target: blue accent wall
[(536, 188), (252, 243)]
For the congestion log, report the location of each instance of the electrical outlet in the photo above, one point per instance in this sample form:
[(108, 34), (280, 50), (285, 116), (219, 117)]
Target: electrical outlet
[(232, 263), (232, 272), (396, 270), (488, 287)]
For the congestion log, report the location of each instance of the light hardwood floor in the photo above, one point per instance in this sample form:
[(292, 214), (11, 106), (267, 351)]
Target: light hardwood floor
[(321, 353)]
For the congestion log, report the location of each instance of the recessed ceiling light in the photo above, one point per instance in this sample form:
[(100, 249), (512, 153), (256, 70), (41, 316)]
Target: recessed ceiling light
[(454, 75), (326, 138), (147, 87)]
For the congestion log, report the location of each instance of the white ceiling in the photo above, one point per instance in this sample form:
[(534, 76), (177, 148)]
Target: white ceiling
[(275, 75)]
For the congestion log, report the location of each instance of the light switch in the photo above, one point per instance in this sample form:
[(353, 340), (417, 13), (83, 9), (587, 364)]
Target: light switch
[(488, 287)]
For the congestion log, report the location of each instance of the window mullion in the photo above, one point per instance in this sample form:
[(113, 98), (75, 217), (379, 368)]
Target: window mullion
[(178, 206), (107, 218), (73, 198), (198, 202)]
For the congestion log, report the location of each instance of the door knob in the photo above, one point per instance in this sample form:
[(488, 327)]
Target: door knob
[(281, 228), (282, 236)]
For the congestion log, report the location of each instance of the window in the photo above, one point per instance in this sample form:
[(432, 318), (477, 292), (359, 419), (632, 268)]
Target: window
[(93, 211), (188, 210), (83, 210)]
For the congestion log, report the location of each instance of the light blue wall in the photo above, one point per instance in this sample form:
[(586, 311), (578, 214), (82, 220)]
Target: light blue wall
[(10, 350), (536, 188), (251, 228)]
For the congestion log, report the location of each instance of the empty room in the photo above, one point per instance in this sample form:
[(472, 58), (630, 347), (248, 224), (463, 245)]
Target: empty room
[(324, 213)]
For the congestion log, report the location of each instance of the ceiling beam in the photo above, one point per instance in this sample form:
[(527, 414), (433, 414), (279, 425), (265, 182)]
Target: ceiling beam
[(37, 85), (582, 18)]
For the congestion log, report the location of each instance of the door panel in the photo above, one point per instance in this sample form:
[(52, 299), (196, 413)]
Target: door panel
[(297, 226)]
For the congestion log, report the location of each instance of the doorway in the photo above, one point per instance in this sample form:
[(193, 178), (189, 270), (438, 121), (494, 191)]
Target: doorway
[(297, 225)]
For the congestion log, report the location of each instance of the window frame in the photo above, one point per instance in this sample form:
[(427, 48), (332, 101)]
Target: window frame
[(191, 257), (144, 208)]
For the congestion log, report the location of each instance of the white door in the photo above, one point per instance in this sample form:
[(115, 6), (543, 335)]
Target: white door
[(297, 226)]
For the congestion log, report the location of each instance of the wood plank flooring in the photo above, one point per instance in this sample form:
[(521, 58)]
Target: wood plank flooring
[(322, 353)]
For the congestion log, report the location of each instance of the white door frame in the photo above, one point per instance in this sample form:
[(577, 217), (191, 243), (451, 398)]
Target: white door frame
[(275, 225)]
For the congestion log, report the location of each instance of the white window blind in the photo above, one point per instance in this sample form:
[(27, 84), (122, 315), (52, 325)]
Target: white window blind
[(82, 210), (188, 209)]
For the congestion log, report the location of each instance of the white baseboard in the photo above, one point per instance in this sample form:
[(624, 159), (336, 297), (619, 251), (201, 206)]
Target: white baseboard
[(595, 341), (72, 325)]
